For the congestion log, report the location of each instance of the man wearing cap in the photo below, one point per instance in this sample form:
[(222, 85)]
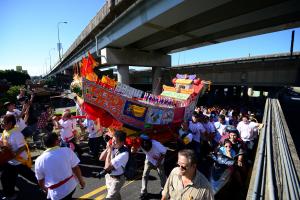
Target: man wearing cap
[(155, 156)]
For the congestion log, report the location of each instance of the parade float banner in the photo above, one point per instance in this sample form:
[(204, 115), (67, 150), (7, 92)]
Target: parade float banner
[(168, 116), (128, 91), (103, 98), (159, 115), (189, 111), (109, 101), (154, 116), (135, 111)]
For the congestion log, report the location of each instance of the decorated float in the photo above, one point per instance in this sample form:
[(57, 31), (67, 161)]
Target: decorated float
[(120, 107)]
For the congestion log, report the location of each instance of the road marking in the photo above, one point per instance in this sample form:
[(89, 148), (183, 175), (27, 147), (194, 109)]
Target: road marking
[(92, 193), (102, 196), (128, 183)]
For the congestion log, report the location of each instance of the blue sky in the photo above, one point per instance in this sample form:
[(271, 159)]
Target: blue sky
[(28, 33)]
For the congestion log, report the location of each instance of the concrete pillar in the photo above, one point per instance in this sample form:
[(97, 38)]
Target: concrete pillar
[(68, 72), (156, 80), (123, 74), (132, 57)]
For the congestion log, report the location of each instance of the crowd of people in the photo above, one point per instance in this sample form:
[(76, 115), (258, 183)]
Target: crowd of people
[(224, 131), (229, 132)]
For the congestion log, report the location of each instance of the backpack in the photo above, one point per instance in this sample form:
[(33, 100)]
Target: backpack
[(130, 171)]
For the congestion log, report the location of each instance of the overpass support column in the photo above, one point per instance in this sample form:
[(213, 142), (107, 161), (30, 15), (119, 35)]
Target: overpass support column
[(123, 74), (130, 57), (156, 80), (68, 72)]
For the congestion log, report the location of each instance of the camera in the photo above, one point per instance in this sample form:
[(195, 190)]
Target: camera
[(106, 138), (102, 173)]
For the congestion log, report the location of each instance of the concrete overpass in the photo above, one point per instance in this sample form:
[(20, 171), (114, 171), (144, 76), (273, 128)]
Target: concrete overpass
[(275, 70), (143, 33)]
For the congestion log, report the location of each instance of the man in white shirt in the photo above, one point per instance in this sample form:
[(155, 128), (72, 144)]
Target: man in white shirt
[(155, 157), (246, 129), (21, 163), (66, 125), (116, 156), (94, 136), (57, 170), (20, 123), (220, 126)]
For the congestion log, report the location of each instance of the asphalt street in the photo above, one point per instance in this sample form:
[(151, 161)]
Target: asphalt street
[(95, 187)]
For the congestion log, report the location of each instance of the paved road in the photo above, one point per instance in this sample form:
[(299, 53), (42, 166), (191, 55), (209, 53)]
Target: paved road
[(95, 188)]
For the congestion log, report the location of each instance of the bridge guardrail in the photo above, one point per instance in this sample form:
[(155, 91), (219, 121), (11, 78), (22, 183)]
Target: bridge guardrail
[(276, 168)]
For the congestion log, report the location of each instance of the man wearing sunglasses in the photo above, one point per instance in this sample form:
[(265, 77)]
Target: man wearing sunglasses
[(185, 181)]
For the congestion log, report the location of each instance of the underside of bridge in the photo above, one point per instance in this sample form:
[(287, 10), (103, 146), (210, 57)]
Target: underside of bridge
[(152, 29), (142, 33)]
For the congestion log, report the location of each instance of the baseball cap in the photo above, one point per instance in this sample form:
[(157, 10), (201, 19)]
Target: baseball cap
[(144, 136), (7, 103)]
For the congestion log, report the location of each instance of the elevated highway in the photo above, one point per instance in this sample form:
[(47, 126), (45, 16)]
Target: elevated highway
[(142, 33), (276, 70)]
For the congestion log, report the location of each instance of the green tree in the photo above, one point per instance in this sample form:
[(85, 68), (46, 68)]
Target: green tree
[(14, 77), (12, 92), (51, 82), (10, 95)]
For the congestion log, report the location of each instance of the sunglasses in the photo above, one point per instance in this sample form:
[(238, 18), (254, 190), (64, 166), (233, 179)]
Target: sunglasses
[(182, 167)]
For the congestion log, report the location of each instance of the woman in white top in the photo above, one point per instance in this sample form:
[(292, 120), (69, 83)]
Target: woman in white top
[(66, 133)]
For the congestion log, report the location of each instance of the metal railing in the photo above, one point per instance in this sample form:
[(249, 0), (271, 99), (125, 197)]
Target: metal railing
[(275, 174)]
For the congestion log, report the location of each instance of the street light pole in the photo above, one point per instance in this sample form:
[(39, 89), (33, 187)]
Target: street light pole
[(50, 56), (46, 64), (59, 44)]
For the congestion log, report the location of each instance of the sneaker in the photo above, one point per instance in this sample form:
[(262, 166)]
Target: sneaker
[(143, 196)]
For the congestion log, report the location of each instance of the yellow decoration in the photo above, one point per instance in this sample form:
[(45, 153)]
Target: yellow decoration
[(128, 131), (186, 140), (168, 88), (184, 81), (187, 91), (91, 77), (137, 111), (108, 81)]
